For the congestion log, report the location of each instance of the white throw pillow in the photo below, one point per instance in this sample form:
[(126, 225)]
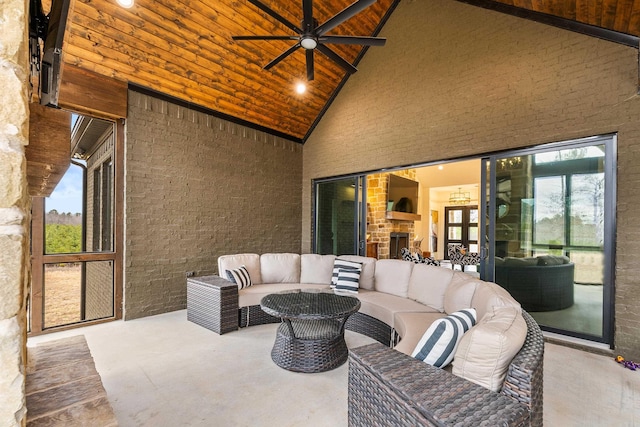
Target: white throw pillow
[(438, 344), (239, 276)]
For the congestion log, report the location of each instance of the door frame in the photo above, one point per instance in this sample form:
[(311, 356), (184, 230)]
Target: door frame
[(39, 258), (488, 212), (360, 212)]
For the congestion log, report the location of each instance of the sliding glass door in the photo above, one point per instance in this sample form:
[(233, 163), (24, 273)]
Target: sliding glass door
[(339, 211), (549, 229)]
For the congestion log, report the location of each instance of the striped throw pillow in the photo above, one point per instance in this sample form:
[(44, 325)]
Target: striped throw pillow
[(348, 280), (239, 276), (343, 263), (438, 344)]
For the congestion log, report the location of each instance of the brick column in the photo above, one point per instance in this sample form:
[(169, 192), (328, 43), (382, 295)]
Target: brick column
[(14, 209)]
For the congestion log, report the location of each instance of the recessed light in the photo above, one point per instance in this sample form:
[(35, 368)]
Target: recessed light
[(440, 167), (125, 3), (301, 88)]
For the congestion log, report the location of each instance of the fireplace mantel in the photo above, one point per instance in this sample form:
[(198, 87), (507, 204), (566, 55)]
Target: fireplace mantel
[(402, 216)]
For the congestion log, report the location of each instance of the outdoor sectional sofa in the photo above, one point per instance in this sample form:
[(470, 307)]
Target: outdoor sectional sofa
[(399, 301)]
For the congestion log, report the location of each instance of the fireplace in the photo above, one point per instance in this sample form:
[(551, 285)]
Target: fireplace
[(397, 241)]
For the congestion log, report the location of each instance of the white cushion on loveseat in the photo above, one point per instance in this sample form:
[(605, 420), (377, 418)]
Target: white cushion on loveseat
[(489, 295), (485, 352), (250, 261), (392, 276), (460, 292), (428, 284), (280, 268), (316, 268)]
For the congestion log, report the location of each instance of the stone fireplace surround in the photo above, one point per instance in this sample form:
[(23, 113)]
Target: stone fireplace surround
[(379, 229)]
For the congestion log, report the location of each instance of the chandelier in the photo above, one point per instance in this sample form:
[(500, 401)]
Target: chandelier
[(459, 197)]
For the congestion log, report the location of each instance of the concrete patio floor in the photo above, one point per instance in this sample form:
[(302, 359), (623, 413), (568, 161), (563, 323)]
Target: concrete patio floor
[(165, 371)]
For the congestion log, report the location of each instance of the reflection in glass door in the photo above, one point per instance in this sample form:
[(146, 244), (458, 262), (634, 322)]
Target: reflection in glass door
[(550, 222), (339, 212)]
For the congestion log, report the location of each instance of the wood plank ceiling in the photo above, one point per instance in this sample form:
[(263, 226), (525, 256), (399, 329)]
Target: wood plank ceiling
[(183, 48)]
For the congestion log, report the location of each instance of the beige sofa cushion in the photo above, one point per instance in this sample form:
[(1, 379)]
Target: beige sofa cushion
[(485, 352), (411, 327), (460, 292), (253, 294), (489, 295), (316, 268), (251, 261), (280, 268), (392, 276), (428, 284), (384, 306), (367, 272)]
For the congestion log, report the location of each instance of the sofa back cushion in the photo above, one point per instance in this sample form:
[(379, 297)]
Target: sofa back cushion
[(368, 270), (485, 352), (392, 276), (489, 295), (316, 268), (460, 292), (428, 285), (280, 268), (231, 262)]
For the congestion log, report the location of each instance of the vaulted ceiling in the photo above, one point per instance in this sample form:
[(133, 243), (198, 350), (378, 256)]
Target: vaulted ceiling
[(184, 49)]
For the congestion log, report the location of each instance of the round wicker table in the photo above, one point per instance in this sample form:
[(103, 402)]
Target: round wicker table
[(311, 335)]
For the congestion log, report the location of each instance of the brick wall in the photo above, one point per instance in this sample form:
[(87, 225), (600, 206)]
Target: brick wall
[(473, 81), (14, 210), (99, 274), (198, 187)]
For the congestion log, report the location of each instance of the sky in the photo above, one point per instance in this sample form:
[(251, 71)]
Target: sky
[(67, 196)]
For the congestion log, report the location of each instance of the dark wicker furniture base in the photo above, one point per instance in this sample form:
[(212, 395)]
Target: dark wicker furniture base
[(371, 327), (310, 354), (212, 302), (253, 315), (387, 387), (311, 336), (357, 322)]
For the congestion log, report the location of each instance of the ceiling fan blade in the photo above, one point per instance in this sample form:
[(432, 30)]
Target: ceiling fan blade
[(265, 37), (310, 71), (275, 15), (366, 41), (337, 58), (282, 56), (347, 13), (307, 20)]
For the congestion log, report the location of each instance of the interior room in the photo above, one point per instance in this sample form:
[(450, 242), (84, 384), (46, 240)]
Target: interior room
[(495, 139)]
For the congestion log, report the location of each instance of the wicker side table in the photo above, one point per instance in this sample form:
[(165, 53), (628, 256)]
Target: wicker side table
[(212, 302)]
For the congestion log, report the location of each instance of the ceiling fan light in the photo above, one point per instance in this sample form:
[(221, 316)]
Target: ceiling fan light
[(301, 88), (308, 43)]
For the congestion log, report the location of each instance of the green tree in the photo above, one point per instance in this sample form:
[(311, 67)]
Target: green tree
[(63, 238)]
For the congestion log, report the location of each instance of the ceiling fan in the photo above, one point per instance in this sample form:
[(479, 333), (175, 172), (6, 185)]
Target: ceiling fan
[(311, 36)]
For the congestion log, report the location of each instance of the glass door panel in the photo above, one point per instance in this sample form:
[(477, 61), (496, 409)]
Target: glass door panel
[(339, 212), (547, 214), (73, 238)]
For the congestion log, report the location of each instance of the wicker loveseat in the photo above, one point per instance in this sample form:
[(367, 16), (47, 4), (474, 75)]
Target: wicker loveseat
[(399, 301), (543, 283)]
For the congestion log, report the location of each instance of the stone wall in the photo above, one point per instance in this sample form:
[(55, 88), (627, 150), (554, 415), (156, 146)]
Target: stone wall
[(474, 81), (378, 226), (14, 210), (198, 187)]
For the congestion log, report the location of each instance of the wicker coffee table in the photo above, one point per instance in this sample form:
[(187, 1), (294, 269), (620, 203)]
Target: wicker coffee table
[(311, 335)]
